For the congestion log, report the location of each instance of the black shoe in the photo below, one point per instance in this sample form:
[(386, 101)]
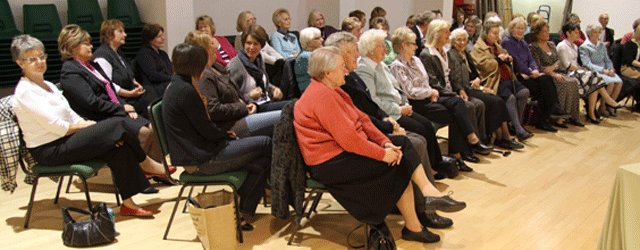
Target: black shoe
[(560, 125), (594, 121), (509, 144), (575, 122), (471, 158), (423, 236), (481, 148), (246, 226), (448, 167), (524, 136), (615, 108), (433, 220), (439, 176), (546, 127), (444, 204), (150, 190), (463, 167)]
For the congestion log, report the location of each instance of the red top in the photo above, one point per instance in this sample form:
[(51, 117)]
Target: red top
[(327, 124), (227, 47)]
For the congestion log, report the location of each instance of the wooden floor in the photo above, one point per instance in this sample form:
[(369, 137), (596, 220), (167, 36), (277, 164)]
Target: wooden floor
[(552, 195)]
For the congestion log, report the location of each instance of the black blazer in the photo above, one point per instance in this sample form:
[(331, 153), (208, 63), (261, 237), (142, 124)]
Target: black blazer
[(155, 71), (86, 93), (434, 69), (122, 74), (608, 36), (361, 98), (418, 40), (193, 138)]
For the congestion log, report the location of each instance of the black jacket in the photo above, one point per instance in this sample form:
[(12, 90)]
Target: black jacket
[(434, 69), (288, 170), (361, 98), (192, 138), (86, 93), (154, 72), (418, 40)]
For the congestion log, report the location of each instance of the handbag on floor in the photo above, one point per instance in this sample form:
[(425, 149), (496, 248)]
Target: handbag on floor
[(98, 230)]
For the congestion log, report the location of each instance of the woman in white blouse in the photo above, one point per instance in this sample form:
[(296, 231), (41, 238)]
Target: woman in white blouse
[(56, 135), (568, 54)]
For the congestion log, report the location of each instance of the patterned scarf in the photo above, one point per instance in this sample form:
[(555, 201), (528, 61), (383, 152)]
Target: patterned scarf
[(287, 36), (254, 69)]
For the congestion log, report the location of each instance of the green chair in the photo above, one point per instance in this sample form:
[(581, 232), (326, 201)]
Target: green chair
[(84, 170), (41, 21), (125, 11), (7, 25), (231, 179), (85, 13)]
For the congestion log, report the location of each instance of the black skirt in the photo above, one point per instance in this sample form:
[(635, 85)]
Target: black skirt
[(496, 110), (368, 189)]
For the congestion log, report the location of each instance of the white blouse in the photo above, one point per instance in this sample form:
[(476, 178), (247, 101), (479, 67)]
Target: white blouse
[(568, 54), (43, 116)]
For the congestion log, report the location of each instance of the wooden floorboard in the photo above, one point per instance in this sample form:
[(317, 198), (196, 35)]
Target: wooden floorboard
[(552, 195)]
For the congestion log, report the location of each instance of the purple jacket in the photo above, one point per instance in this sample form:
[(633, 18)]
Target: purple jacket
[(522, 58)]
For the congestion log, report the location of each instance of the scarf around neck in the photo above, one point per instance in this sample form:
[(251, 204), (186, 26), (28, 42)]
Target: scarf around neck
[(254, 69), (287, 36)]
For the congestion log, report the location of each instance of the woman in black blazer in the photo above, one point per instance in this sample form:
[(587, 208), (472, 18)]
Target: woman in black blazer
[(112, 36), (92, 94), (154, 66)]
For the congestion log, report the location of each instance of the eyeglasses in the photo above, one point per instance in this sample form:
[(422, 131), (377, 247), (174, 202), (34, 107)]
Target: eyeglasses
[(41, 57)]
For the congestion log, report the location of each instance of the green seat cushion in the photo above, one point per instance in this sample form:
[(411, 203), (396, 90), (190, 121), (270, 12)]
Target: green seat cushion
[(85, 169), (311, 183), (236, 178)]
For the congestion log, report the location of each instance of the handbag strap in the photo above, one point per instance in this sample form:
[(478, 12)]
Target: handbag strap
[(67, 217), (349, 237)]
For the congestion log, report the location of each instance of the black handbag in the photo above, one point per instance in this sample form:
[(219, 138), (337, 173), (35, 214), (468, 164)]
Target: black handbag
[(379, 240), (98, 230)]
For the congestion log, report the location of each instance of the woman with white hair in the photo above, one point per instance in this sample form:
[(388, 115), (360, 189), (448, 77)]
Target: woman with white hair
[(467, 113), (465, 76), (594, 56), (310, 39), (527, 71), (346, 153), (493, 62), (285, 42)]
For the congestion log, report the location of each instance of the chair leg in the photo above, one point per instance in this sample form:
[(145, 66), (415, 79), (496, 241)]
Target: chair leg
[(204, 189), (297, 226), (235, 204), (366, 236), (86, 192), (173, 213), (69, 183), (316, 201), (113, 178), (184, 209), (60, 181), (30, 205), (294, 231)]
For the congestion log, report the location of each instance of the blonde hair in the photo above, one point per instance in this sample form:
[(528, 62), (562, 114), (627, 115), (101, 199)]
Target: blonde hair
[(351, 23), (433, 33), (402, 35), (70, 37), (241, 20), (199, 38), (276, 18), (312, 17), (323, 60), (207, 20), (516, 21), (108, 27)]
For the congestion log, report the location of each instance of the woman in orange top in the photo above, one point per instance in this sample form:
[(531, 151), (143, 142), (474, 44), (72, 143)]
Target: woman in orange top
[(363, 169)]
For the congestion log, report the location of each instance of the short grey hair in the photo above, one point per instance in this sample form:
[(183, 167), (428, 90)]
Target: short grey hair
[(22, 44), (307, 35), (368, 40), (340, 39), (516, 21), (424, 17), (323, 60), (458, 33), (593, 28), (488, 25)]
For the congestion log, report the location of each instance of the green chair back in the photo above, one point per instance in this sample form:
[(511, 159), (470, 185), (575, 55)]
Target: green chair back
[(125, 11), (85, 13), (7, 24), (155, 111), (41, 21)]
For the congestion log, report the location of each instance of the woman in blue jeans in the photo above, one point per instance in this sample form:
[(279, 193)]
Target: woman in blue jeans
[(198, 144)]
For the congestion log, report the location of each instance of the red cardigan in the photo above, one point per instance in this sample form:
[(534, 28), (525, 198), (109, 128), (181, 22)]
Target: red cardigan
[(327, 124), (227, 47)]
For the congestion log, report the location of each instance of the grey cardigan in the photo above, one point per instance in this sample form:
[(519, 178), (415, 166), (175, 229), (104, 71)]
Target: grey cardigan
[(241, 78), (383, 92)]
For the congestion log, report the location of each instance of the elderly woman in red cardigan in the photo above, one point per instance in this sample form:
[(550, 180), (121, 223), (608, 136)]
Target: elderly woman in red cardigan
[(367, 172)]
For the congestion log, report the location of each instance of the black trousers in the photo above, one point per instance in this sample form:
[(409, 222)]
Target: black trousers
[(421, 125), (449, 111), (252, 154), (97, 142), (495, 109), (544, 91)]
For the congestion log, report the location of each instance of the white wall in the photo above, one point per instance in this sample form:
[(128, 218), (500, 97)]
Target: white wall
[(557, 7), (622, 13)]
